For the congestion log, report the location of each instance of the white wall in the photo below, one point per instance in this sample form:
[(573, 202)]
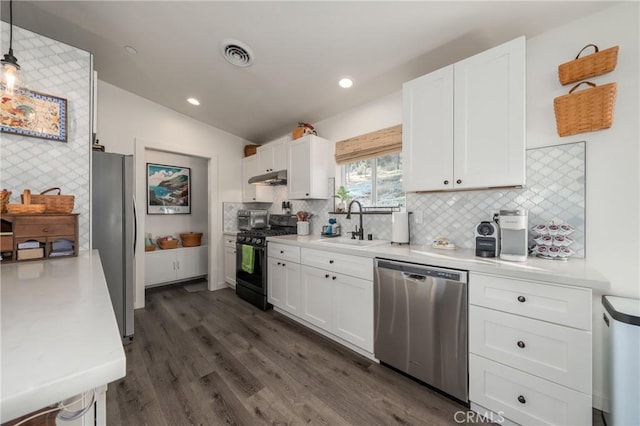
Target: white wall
[(124, 118), (613, 155)]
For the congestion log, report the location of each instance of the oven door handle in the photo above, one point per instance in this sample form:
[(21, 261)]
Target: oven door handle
[(255, 248)]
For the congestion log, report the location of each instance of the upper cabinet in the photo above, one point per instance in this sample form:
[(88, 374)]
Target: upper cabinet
[(273, 156), (254, 193), (308, 168), (464, 125)]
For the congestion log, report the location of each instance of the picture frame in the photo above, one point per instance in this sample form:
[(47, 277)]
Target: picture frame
[(33, 114), (168, 189)]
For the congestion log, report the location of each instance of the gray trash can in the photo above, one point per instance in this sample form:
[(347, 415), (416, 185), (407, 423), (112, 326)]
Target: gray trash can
[(622, 360)]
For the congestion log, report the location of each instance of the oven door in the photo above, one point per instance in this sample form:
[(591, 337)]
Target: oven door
[(256, 280)]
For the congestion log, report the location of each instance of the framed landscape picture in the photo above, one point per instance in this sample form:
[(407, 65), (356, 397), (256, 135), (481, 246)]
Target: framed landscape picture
[(168, 189), (34, 114)]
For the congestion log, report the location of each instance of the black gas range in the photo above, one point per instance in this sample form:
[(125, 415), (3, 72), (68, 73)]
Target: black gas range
[(251, 259)]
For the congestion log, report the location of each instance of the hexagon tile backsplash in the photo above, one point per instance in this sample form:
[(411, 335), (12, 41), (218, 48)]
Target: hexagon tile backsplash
[(37, 164), (555, 191)]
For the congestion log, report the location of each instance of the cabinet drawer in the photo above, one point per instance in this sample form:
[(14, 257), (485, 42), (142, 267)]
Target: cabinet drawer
[(554, 303), (524, 398), (45, 226), (6, 243), (230, 240), (557, 353), (355, 266), (284, 252)]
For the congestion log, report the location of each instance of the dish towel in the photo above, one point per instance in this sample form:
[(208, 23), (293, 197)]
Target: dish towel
[(247, 259)]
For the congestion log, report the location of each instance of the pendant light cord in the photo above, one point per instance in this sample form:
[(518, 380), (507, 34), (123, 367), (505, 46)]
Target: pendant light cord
[(11, 27)]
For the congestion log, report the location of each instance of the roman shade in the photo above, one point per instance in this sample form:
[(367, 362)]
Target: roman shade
[(375, 144)]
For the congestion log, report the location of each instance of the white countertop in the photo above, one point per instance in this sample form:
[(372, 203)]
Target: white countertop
[(575, 272), (59, 333)]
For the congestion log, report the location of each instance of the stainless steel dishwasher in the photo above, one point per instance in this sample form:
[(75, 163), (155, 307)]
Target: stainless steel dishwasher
[(421, 323)]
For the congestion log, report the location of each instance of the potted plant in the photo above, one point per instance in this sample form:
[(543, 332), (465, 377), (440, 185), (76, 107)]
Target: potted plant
[(343, 195)]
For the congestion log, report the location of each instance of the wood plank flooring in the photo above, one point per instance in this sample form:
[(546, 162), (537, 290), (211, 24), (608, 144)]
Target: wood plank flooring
[(209, 358)]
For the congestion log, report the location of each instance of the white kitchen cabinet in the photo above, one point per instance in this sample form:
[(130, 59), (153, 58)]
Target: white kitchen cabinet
[(273, 156), (283, 290), (283, 277), (230, 259), (164, 266), (254, 193), (353, 310), (464, 125), (308, 168), (530, 346), (317, 297)]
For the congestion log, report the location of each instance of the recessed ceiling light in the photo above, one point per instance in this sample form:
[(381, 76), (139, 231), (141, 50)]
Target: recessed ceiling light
[(193, 101), (131, 50), (345, 82)]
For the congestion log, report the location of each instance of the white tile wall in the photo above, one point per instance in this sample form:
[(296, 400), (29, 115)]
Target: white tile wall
[(555, 190), (64, 71)]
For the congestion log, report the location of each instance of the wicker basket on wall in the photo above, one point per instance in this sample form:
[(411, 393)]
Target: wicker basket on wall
[(585, 111), (598, 63)]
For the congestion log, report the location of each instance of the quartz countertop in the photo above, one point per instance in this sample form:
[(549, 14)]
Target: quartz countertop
[(575, 272), (59, 333)]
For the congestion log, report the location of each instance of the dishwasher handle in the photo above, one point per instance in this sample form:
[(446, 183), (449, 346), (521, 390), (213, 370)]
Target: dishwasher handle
[(413, 269), (414, 277)]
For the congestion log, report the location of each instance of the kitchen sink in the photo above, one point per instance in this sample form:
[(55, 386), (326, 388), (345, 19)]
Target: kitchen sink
[(348, 242)]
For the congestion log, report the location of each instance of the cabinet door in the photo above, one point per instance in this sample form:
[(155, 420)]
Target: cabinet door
[(427, 132), (489, 132), (316, 297), (292, 287), (265, 158), (353, 316), (276, 282), (230, 265), (160, 267), (191, 262), (280, 155), (299, 175), (254, 193)]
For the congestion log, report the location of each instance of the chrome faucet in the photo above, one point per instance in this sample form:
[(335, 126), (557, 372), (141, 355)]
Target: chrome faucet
[(360, 232)]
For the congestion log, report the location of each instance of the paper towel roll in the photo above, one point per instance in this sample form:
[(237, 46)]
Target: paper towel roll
[(400, 227)]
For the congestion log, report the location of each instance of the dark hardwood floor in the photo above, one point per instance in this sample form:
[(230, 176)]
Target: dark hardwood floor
[(209, 358)]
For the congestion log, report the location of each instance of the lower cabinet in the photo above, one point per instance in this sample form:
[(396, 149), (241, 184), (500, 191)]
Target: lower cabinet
[(530, 346), (164, 266), (284, 285), (230, 259), (337, 303)]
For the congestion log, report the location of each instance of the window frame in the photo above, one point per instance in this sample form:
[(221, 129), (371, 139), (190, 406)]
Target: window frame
[(374, 179)]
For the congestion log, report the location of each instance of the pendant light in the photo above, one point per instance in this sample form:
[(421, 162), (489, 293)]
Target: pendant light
[(11, 79)]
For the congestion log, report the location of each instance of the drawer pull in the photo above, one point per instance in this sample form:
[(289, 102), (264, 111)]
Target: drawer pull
[(331, 261), (521, 299), (521, 400), (284, 264), (334, 277), (326, 275), (521, 344), (281, 251), (45, 229), (279, 263)]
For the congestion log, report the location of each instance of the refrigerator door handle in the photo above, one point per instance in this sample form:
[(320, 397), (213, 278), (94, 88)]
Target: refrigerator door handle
[(135, 227)]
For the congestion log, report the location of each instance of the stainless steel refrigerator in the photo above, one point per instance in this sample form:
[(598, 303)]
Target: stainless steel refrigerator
[(114, 231)]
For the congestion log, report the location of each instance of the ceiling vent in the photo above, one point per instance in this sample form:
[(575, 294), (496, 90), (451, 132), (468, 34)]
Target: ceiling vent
[(236, 52)]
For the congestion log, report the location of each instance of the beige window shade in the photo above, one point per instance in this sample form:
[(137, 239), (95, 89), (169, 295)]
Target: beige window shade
[(376, 144)]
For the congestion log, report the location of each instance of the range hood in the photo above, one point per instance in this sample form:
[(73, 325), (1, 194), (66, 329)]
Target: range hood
[(272, 178)]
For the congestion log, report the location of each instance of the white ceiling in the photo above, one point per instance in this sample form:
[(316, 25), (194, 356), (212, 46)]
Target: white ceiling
[(301, 49)]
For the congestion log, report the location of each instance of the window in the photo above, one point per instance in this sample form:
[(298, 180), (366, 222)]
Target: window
[(375, 182)]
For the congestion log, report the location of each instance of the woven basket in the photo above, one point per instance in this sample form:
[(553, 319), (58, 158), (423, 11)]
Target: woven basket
[(167, 244), (598, 63), (149, 247), (26, 208), (55, 203), (250, 150), (191, 239), (4, 200), (585, 111)]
